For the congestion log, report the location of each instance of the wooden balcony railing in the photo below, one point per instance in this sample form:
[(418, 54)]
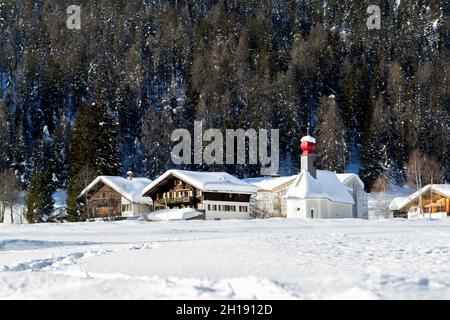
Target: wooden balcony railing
[(178, 200)]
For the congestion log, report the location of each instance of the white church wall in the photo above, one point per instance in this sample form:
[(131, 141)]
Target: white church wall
[(340, 210), (296, 208)]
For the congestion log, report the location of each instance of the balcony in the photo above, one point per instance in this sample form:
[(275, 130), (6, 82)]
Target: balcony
[(175, 201)]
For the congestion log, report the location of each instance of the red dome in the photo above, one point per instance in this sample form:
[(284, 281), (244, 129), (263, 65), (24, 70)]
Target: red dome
[(308, 145)]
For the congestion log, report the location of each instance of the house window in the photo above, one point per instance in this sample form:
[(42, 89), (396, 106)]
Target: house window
[(126, 207), (209, 207), (243, 209), (229, 208)]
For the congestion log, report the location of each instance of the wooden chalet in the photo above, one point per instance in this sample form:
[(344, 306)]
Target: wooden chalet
[(110, 197), (217, 194), (432, 199)]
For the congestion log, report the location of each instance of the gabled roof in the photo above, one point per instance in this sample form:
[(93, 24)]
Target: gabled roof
[(206, 182), (129, 189), (270, 183), (347, 177), (400, 202), (326, 186)]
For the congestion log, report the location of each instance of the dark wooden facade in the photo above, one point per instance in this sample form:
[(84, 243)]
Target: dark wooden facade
[(174, 193), (103, 202), (232, 197)]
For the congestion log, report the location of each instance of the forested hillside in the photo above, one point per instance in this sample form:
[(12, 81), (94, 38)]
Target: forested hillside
[(105, 99)]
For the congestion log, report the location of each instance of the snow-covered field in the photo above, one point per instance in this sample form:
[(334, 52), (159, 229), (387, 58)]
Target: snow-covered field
[(261, 259)]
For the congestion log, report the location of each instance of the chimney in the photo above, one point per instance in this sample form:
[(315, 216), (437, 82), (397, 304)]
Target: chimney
[(308, 158), (130, 175)]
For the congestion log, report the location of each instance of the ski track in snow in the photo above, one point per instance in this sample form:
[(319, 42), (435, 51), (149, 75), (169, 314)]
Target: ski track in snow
[(271, 259)]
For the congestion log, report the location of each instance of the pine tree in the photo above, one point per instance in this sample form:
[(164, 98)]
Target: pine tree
[(4, 137), (155, 144), (75, 203), (19, 159), (331, 136), (59, 160), (94, 141), (39, 201)]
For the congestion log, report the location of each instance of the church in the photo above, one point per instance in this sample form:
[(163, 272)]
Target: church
[(312, 193)]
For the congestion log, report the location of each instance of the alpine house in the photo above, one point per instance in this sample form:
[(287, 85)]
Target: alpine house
[(115, 197), (218, 195)]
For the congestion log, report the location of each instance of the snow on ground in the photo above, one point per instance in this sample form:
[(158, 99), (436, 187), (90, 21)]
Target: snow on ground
[(172, 214), (254, 259)]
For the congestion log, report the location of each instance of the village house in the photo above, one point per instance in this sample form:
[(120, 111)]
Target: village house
[(268, 201), (312, 193), (432, 199), (110, 197), (218, 195)]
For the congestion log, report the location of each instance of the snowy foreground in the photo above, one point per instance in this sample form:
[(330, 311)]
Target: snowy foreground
[(259, 259)]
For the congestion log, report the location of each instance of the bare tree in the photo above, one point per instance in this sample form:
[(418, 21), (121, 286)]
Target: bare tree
[(380, 186), (9, 193), (415, 165)]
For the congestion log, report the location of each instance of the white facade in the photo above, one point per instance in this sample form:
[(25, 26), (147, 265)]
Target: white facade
[(268, 201), (133, 209), (356, 189), (323, 197), (223, 210), (317, 209)]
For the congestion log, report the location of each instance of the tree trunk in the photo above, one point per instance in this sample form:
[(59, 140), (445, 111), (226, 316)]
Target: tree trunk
[(2, 212), (12, 214), (431, 197)]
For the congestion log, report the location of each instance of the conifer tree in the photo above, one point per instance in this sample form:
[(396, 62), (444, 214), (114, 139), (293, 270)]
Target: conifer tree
[(39, 201), (331, 136)]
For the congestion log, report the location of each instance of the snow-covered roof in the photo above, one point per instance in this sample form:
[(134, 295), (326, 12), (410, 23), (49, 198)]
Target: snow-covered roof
[(129, 189), (346, 177), (206, 182), (399, 202), (326, 186), (308, 139), (270, 183)]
